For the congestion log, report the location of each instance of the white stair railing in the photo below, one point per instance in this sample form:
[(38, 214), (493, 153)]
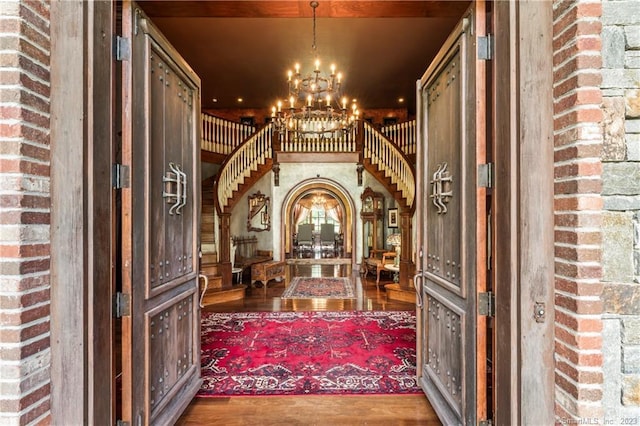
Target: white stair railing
[(221, 136), (239, 165), (386, 155), (332, 141), (388, 158), (403, 135)]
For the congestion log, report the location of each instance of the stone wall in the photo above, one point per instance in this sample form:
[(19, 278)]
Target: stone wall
[(621, 217), (25, 355)]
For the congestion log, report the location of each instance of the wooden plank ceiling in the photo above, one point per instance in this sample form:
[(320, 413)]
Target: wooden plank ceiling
[(301, 9), (244, 48)]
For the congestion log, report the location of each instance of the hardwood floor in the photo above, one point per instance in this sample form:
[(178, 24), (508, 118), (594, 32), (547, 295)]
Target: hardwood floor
[(312, 410)]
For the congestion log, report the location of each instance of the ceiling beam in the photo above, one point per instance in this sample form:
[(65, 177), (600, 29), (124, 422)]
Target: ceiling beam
[(302, 9)]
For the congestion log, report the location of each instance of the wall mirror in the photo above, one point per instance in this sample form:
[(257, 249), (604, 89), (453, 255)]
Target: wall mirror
[(259, 216)]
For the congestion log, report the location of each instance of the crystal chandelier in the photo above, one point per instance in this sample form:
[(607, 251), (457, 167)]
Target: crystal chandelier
[(315, 104), (318, 200)]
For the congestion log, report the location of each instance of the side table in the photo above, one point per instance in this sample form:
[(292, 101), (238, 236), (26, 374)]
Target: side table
[(396, 271)]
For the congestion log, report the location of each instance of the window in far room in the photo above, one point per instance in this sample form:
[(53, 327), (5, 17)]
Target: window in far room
[(318, 215)]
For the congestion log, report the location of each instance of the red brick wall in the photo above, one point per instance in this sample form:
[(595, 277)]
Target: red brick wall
[(24, 212), (578, 205)]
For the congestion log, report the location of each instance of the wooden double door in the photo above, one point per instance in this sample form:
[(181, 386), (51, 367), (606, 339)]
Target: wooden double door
[(453, 232), (160, 208)]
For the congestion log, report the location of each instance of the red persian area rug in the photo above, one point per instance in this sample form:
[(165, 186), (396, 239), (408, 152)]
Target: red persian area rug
[(308, 353), (319, 288)]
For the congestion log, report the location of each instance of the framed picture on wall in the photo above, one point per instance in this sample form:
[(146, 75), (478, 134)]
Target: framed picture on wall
[(392, 218)]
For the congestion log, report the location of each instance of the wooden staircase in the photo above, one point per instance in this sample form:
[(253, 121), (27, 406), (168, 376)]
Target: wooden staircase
[(387, 182), (390, 166), (207, 231), (255, 156), (253, 176), (215, 291)]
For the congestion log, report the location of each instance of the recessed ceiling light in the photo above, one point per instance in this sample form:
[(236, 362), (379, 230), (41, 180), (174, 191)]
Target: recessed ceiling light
[(214, 100), (240, 100), (400, 100)]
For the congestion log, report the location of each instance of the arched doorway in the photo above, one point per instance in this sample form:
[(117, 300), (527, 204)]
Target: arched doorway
[(316, 201)]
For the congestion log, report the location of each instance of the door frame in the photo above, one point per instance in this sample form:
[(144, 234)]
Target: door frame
[(82, 100), (81, 71), (457, 53), (522, 262), (523, 237), (339, 192)]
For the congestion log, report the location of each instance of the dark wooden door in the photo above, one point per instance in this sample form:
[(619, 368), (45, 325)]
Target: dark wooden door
[(160, 222), (452, 226)]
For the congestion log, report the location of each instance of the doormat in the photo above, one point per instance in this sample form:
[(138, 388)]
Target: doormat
[(308, 353), (319, 288)]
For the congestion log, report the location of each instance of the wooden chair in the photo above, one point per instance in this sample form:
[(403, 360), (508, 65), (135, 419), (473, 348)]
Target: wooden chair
[(377, 264), (328, 237), (305, 236)]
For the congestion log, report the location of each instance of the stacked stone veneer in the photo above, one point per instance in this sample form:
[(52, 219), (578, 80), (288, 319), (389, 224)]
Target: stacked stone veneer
[(24, 213), (621, 215)]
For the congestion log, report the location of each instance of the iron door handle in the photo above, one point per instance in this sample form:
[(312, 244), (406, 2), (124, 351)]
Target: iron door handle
[(418, 288), (183, 192), (179, 198)]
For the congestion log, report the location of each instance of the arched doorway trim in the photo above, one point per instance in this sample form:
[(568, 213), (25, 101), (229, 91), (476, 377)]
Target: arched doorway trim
[(325, 185)]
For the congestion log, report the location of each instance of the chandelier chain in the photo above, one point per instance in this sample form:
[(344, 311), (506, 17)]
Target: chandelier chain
[(314, 105), (314, 4)]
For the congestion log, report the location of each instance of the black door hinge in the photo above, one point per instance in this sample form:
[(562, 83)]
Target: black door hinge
[(121, 48), (485, 47), (121, 305), (485, 175), (486, 304), (120, 176)]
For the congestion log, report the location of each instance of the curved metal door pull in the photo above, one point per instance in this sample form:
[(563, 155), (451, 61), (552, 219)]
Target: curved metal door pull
[(204, 289), (417, 276), (183, 192), (176, 198), (438, 195)]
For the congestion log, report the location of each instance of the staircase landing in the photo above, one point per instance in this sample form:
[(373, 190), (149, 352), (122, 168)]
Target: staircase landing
[(396, 292), (222, 295)]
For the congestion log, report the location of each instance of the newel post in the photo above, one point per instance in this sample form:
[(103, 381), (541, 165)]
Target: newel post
[(406, 265), (276, 144), (224, 259), (360, 139)]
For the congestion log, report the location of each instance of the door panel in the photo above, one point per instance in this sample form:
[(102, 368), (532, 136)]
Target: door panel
[(157, 167), (444, 161), (169, 333), (451, 234), (161, 336), (444, 358)]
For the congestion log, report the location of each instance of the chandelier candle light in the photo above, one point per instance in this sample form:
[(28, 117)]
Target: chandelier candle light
[(315, 105)]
